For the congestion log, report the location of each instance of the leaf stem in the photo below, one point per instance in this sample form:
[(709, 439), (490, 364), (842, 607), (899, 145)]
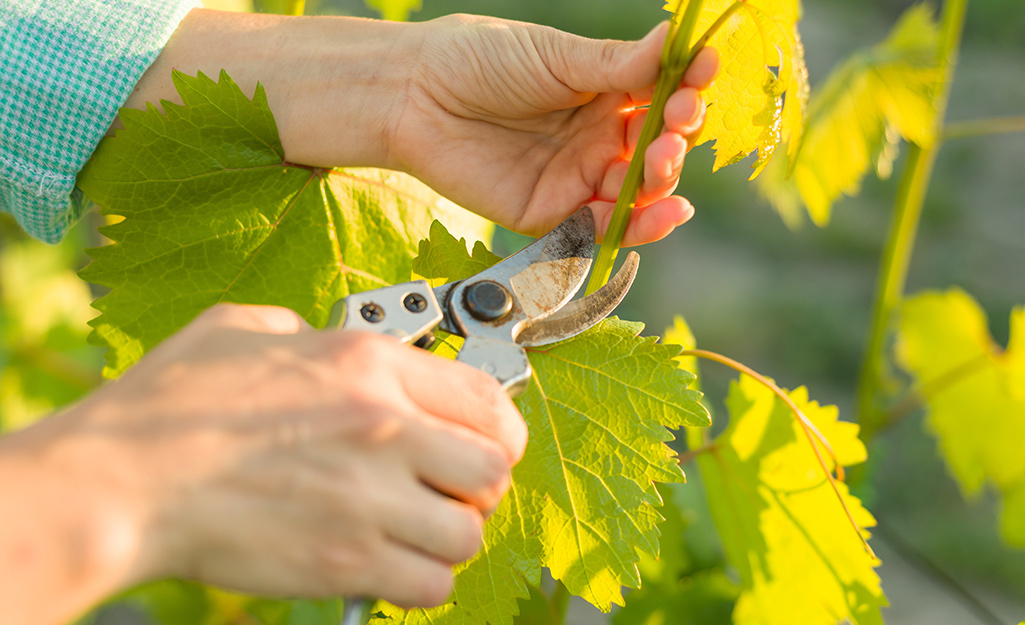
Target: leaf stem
[(691, 454), (903, 227), (677, 55), (984, 127), (811, 432)]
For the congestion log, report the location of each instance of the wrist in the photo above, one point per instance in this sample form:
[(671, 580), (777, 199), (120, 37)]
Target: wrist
[(71, 534), (336, 85)]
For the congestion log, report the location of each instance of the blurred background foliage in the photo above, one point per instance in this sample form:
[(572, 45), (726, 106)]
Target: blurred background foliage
[(793, 304)]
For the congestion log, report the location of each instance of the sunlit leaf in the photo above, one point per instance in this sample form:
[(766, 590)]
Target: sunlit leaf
[(673, 589), (856, 119), (582, 501), (443, 257), (758, 100), (213, 213), (974, 392), (782, 527)]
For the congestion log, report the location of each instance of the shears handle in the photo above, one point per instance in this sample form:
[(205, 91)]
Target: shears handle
[(407, 311)]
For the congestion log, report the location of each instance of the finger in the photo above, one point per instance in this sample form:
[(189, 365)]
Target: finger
[(601, 66), (264, 319), (684, 111), (459, 463), (647, 224), (408, 578), (613, 181), (663, 162), (437, 525), (634, 125), (703, 69), (461, 394)]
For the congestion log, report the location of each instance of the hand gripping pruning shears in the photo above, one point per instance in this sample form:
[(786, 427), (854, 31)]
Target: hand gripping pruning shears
[(523, 301)]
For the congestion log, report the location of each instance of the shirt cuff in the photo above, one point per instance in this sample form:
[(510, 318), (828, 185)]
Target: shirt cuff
[(66, 68)]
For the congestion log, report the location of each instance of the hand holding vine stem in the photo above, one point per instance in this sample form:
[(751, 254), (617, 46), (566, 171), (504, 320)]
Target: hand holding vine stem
[(677, 59), (520, 123)]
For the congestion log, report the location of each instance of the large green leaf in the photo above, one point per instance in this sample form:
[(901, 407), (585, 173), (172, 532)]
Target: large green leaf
[(582, 501), (874, 98), (675, 588), (213, 213), (783, 529), (974, 392)]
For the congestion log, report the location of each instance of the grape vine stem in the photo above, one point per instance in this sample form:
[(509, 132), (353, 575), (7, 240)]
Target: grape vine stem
[(676, 58), (903, 227)]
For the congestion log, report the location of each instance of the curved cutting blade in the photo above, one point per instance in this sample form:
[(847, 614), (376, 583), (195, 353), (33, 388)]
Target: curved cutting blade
[(541, 279), (584, 313)]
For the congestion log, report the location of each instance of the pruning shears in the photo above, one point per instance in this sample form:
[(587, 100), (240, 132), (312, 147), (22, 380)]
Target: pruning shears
[(523, 301)]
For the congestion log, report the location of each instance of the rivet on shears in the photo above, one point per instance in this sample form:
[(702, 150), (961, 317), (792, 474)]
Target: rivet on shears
[(488, 301)]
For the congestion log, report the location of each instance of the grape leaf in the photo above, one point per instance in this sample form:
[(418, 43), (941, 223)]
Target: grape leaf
[(974, 392), (780, 522), (213, 213), (758, 100), (581, 500), (674, 588), (443, 258), (855, 121)]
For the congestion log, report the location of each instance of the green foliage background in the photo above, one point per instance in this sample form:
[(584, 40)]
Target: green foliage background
[(791, 304)]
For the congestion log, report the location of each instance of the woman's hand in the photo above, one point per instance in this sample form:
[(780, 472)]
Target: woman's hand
[(520, 123), (253, 452), (524, 124)]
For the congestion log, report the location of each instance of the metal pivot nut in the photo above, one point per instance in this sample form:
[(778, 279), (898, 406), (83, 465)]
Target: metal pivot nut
[(488, 301)]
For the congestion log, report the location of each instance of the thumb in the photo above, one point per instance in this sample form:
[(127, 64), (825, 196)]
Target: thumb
[(603, 65)]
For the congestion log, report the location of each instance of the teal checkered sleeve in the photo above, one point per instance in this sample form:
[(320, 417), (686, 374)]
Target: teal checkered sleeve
[(65, 68)]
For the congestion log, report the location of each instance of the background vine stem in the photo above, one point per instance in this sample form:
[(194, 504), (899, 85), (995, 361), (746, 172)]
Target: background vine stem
[(810, 431), (676, 58), (903, 227)]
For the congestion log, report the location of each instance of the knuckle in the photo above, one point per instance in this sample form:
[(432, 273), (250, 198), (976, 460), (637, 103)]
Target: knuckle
[(219, 314), (343, 567), (467, 534), (490, 397), (494, 474), (360, 354), (435, 588), (608, 53)]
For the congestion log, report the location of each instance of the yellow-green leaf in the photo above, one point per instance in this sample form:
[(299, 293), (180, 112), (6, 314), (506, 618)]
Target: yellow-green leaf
[(214, 213), (856, 119), (783, 529), (758, 100), (974, 392)]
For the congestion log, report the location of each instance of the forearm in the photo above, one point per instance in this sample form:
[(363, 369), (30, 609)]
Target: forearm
[(65, 544), (336, 85)]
